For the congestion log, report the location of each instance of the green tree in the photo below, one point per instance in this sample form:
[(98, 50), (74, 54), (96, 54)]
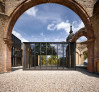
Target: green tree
[(43, 60), (52, 60), (49, 62), (50, 49), (85, 55)]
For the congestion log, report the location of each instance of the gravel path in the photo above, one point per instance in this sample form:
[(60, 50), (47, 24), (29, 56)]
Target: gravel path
[(49, 81)]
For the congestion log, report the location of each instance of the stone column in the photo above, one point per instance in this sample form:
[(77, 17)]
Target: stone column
[(3, 56), (8, 59), (91, 56), (95, 24), (5, 52)]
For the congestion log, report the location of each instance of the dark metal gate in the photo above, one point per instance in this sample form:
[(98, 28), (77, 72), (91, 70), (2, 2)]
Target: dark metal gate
[(49, 55)]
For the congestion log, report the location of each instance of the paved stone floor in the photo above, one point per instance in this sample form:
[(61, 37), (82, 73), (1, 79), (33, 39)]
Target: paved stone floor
[(49, 81)]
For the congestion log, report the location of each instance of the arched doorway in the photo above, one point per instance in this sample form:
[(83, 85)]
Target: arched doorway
[(28, 4), (90, 45), (81, 52)]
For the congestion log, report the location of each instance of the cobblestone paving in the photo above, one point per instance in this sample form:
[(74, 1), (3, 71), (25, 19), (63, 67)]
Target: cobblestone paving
[(49, 81)]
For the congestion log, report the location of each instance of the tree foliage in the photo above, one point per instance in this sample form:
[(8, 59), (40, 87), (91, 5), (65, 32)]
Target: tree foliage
[(85, 55), (43, 48)]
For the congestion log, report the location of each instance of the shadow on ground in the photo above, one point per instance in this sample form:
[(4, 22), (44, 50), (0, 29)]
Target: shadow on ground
[(16, 68), (85, 71), (82, 70)]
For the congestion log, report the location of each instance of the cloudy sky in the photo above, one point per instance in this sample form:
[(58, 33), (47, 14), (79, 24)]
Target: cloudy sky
[(47, 23)]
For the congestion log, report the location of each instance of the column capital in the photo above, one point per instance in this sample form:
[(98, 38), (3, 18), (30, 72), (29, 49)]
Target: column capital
[(9, 42)]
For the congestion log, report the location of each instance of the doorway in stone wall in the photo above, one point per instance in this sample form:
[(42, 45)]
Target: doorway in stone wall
[(15, 18)]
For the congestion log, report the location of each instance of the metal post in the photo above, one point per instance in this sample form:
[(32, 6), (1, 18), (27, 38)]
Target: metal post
[(57, 55), (40, 55), (14, 57), (52, 59), (63, 55), (24, 53), (46, 55), (29, 56), (34, 56), (75, 55), (69, 55)]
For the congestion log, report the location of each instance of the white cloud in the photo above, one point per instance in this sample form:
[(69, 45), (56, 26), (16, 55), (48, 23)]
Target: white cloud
[(65, 26), (42, 16), (51, 27), (77, 26), (32, 11), (58, 26), (18, 35)]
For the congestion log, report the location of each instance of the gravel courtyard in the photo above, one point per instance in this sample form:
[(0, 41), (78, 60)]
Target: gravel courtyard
[(49, 81)]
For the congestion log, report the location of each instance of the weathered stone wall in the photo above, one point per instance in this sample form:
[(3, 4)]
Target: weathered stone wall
[(2, 6), (95, 23), (88, 5), (10, 5)]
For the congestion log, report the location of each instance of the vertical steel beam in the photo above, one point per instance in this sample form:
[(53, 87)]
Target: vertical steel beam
[(34, 56), (14, 57), (40, 55), (52, 58), (63, 55), (24, 53), (46, 55), (75, 55), (57, 55), (66, 55), (69, 55), (29, 56)]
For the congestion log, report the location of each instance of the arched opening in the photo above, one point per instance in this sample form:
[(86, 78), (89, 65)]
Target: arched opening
[(28, 4), (82, 39), (38, 25), (90, 45), (81, 52), (70, 4)]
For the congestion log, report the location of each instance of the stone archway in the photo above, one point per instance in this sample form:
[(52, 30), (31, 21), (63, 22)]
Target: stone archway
[(79, 33), (73, 5), (22, 7), (90, 46)]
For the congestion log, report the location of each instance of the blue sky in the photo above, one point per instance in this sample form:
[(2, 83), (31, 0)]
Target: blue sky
[(47, 23)]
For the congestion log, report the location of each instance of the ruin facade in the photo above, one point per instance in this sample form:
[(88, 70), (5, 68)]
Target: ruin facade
[(87, 10)]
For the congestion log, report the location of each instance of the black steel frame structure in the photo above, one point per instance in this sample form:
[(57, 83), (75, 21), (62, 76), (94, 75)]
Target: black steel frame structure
[(64, 54), (16, 52)]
